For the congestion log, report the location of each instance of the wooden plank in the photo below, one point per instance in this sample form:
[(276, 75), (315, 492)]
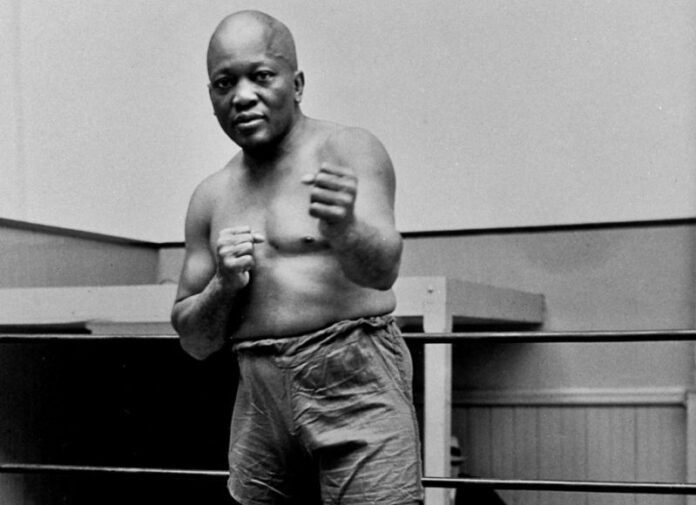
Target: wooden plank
[(611, 449), (466, 302), (526, 455), (573, 442), (437, 417), (65, 305), (660, 442), (476, 303), (691, 441), (503, 445), (479, 441), (623, 456), (430, 300), (416, 296), (573, 449), (550, 451)]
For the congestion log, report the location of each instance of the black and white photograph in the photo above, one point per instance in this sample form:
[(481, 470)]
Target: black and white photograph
[(347, 252)]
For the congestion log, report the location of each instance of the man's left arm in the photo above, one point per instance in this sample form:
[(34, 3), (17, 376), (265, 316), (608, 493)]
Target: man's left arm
[(352, 195)]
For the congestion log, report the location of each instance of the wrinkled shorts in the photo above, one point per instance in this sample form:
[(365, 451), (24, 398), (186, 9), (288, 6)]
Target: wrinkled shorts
[(326, 418)]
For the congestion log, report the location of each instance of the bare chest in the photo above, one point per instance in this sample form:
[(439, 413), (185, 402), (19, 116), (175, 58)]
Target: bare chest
[(277, 208)]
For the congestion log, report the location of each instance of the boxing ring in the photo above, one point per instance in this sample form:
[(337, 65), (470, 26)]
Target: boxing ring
[(438, 304)]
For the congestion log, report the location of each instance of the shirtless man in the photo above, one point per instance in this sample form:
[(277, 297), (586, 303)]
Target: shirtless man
[(291, 253)]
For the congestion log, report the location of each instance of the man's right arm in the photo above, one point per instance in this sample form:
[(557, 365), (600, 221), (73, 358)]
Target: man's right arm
[(211, 281)]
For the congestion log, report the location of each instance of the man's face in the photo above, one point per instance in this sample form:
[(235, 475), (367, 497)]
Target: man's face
[(254, 90)]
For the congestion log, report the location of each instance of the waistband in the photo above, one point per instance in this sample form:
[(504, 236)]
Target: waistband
[(296, 344)]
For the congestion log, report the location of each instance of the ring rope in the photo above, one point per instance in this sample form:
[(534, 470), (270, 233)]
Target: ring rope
[(431, 338), (662, 488), (501, 337)]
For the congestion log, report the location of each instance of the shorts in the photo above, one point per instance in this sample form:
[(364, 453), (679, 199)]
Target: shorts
[(326, 418)]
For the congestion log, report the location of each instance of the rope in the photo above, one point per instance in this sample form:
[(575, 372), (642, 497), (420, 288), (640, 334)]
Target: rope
[(661, 488), (498, 337), (431, 338)]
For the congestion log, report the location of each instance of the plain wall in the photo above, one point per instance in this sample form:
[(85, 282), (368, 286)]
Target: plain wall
[(594, 278), (496, 113), (36, 256)]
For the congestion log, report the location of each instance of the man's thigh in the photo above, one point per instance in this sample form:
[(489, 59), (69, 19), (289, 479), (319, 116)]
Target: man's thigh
[(359, 420)]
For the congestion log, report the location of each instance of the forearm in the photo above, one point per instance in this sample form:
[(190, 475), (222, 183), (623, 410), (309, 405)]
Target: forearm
[(203, 320), (368, 255)]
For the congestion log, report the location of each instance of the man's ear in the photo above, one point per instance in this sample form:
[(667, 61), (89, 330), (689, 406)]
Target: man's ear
[(299, 82), (210, 95)]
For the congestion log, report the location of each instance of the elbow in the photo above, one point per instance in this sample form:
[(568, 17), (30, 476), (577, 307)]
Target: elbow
[(197, 352), (196, 345), (386, 281), (382, 279), (384, 275), (387, 276)]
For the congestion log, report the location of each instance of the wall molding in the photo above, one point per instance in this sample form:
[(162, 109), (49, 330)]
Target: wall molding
[(448, 233), (551, 228), (663, 396), (35, 227)]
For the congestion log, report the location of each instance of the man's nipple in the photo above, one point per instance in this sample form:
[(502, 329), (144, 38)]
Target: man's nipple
[(313, 243)]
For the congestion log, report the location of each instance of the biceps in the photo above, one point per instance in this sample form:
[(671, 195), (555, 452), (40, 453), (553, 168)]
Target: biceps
[(375, 202), (199, 267)]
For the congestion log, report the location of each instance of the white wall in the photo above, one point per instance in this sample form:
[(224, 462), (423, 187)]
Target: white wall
[(497, 113), (12, 189)]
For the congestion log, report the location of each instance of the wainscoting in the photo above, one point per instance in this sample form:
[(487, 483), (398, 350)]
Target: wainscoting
[(618, 435)]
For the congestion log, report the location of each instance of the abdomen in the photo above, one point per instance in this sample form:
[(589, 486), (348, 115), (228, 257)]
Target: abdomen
[(297, 294)]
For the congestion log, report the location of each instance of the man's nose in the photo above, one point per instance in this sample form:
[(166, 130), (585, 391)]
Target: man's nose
[(244, 94)]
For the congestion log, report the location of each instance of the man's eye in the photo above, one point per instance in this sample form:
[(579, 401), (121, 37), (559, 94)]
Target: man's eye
[(222, 84), (263, 76)]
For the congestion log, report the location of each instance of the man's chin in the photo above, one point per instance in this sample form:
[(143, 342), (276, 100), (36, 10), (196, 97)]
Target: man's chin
[(255, 146), (257, 140)]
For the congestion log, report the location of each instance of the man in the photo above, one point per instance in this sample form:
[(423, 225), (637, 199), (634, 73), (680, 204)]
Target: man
[(291, 253)]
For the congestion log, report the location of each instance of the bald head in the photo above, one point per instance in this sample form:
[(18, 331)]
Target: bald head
[(249, 25)]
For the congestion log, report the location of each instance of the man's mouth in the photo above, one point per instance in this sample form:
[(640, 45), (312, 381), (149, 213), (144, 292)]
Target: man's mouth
[(247, 120)]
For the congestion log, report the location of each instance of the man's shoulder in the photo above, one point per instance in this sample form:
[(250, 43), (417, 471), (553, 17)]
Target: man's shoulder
[(215, 183), (343, 143), (221, 177), (340, 134)]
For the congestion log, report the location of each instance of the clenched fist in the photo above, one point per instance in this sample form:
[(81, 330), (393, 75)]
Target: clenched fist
[(235, 254), (332, 198)]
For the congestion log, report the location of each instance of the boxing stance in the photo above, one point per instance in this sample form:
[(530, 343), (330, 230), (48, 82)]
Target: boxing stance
[(291, 254)]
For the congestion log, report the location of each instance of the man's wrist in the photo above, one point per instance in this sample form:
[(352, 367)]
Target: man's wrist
[(341, 236), (228, 284)]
